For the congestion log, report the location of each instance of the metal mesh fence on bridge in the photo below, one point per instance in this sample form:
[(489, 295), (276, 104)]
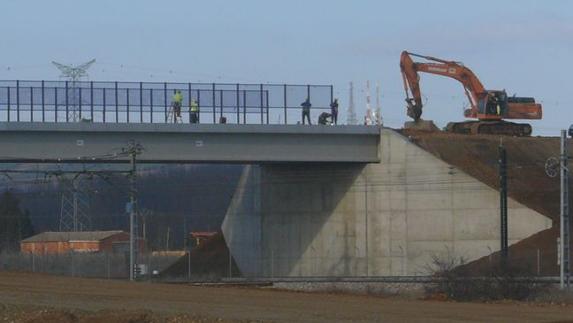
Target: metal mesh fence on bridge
[(145, 102)]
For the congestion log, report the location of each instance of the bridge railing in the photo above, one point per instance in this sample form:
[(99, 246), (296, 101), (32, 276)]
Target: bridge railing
[(146, 102)]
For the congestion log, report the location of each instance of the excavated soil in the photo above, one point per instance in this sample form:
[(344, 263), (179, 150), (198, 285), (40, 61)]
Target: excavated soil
[(528, 182)]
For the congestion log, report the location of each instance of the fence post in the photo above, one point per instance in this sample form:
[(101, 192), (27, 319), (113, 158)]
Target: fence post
[(31, 104), (214, 99), (198, 106), (9, 104), (18, 101), (189, 99), (285, 101), (127, 101), (165, 99), (221, 104), (104, 104), (72, 263), (261, 96), (140, 102), (79, 102), (67, 107), (538, 262), (107, 265), (267, 105), (56, 104), (245, 106), (188, 264), (116, 104), (151, 105), (238, 103), (92, 101), (43, 104)]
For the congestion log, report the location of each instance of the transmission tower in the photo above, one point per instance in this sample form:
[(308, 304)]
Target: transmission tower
[(74, 74), (369, 118), (351, 117), (378, 108), (74, 207)]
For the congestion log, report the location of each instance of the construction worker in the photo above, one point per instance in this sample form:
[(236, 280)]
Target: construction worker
[(177, 100), (324, 117), (306, 110), (193, 111), (334, 111)]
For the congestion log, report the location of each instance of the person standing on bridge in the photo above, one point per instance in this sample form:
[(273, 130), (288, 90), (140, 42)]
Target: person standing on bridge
[(334, 111), (193, 111), (306, 110), (176, 102)]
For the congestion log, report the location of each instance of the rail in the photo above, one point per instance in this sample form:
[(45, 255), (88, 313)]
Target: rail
[(148, 102)]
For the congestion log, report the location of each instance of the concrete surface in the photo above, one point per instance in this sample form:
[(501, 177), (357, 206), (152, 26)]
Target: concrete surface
[(187, 143), (366, 220)]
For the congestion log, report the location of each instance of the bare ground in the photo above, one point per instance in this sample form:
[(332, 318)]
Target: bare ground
[(28, 297)]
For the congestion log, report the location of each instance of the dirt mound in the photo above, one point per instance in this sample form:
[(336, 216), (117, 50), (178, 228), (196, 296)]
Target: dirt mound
[(208, 261), (527, 181), (421, 125)]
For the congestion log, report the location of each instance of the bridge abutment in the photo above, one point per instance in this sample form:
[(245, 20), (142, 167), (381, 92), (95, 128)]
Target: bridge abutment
[(378, 219)]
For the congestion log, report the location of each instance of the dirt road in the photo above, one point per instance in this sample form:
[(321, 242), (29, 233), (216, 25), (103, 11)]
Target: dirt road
[(233, 303)]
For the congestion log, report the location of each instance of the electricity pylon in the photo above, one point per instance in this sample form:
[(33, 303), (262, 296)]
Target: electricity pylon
[(74, 74)]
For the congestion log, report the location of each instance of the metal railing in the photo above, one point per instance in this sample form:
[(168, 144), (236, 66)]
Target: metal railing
[(145, 102)]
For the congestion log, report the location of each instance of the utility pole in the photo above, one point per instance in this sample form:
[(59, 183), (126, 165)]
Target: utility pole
[(503, 203), (133, 150), (554, 166), (565, 251)]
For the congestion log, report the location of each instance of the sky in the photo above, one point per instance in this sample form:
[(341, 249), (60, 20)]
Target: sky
[(522, 46)]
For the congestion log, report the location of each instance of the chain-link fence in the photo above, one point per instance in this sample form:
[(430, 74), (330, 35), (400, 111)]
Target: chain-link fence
[(97, 265), (145, 102)]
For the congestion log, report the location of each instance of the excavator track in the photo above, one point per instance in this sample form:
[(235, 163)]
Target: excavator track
[(502, 128)]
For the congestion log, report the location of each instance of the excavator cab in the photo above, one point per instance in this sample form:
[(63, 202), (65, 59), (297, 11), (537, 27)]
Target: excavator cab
[(492, 105)]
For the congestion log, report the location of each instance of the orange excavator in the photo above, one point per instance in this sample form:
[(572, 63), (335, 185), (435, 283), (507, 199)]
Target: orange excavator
[(489, 107)]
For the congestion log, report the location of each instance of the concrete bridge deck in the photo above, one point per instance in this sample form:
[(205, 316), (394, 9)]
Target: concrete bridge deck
[(188, 143)]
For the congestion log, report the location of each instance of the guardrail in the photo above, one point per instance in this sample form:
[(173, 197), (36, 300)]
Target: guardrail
[(146, 102)]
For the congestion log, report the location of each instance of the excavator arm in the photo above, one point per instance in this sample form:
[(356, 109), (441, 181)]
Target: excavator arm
[(410, 69)]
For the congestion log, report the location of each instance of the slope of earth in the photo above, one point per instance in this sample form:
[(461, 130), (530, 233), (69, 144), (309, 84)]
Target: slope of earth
[(528, 182)]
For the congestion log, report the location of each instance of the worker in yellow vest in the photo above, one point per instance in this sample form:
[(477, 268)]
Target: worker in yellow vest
[(176, 102), (193, 111)]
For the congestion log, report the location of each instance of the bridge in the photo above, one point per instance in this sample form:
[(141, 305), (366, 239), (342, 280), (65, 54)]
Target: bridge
[(59, 121), (184, 143), (330, 200)]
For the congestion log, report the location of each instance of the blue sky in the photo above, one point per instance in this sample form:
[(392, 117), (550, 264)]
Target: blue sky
[(522, 46)]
